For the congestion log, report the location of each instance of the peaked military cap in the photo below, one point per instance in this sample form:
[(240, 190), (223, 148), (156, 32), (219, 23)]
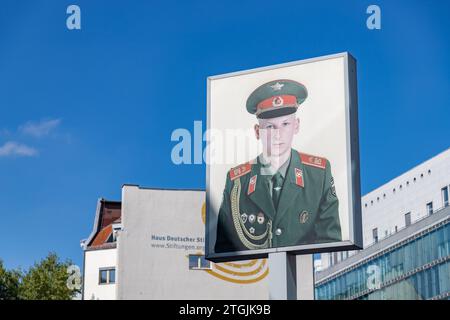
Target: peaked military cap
[(276, 98)]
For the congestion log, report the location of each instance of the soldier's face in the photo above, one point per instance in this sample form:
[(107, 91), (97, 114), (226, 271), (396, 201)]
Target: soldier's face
[(276, 134)]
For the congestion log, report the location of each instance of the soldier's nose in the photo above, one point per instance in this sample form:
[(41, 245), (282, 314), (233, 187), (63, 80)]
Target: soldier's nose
[(276, 134)]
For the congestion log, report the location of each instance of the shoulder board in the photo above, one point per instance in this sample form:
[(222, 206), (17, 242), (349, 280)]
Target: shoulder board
[(313, 161), (240, 171)]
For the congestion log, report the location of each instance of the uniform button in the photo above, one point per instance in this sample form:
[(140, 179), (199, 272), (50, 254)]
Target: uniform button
[(278, 232)]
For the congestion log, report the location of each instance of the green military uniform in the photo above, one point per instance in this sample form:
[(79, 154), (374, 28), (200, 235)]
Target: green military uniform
[(296, 205)]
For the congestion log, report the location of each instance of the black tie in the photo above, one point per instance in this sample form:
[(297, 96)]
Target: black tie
[(277, 181)]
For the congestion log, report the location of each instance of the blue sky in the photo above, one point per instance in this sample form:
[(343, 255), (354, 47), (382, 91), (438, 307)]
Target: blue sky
[(84, 111)]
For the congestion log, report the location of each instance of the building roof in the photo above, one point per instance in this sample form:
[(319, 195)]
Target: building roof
[(160, 188), (102, 237)]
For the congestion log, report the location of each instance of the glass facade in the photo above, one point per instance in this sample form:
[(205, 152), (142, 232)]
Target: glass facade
[(417, 269)]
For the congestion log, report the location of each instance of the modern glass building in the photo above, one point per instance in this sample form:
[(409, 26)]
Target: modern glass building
[(411, 264)]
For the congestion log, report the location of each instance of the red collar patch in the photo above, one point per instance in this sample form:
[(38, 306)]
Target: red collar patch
[(241, 170), (313, 161)]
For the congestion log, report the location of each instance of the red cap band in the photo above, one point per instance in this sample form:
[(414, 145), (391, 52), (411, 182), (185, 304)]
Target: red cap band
[(277, 101)]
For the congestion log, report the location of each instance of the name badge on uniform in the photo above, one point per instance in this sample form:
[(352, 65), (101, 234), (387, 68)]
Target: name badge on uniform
[(252, 184), (299, 177), (303, 217)]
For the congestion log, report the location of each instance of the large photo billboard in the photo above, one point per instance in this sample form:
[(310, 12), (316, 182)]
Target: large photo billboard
[(283, 160)]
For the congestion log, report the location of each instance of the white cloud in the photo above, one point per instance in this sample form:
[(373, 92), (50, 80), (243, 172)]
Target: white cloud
[(4, 132), (11, 148), (39, 129)]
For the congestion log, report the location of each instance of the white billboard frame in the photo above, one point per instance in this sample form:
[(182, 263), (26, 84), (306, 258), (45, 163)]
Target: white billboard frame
[(355, 241)]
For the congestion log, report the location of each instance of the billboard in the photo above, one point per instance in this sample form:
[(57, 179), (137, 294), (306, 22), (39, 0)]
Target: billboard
[(283, 160)]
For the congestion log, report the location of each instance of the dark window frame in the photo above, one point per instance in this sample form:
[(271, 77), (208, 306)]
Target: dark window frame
[(108, 275), (444, 194), (375, 237), (429, 207)]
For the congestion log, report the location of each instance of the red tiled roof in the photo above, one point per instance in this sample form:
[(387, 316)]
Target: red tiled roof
[(102, 236)]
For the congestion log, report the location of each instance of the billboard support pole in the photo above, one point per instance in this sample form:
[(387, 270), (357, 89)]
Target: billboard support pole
[(291, 277)]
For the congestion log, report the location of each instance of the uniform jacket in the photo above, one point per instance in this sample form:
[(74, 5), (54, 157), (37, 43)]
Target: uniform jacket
[(307, 211)]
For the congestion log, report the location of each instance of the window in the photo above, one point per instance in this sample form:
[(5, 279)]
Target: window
[(103, 276), (198, 262), (375, 234), (444, 192), (112, 276), (408, 219), (107, 276), (430, 207), (110, 238)]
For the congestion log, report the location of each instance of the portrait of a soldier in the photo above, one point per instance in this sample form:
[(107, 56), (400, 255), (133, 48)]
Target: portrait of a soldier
[(284, 197)]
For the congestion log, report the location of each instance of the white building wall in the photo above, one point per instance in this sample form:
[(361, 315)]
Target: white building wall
[(93, 262), (150, 268), (385, 209)]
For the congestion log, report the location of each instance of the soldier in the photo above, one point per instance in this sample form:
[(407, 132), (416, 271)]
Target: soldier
[(284, 197)]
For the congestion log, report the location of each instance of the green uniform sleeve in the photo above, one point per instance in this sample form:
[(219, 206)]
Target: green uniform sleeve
[(328, 228), (223, 241)]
